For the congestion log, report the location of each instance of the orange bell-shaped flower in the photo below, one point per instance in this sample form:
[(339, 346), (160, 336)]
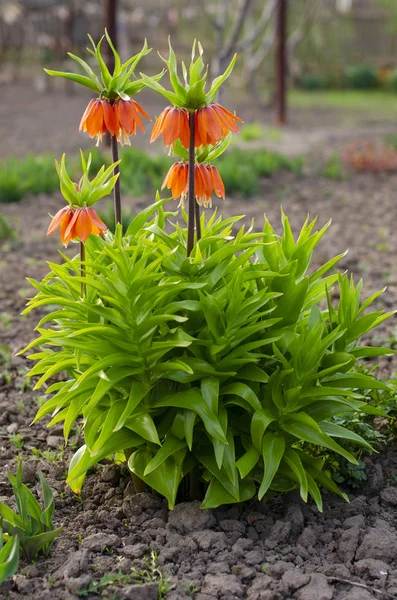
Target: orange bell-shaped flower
[(173, 123), (76, 223), (213, 123)]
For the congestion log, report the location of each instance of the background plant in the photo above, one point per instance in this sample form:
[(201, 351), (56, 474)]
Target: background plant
[(219, 368), (30, 530)]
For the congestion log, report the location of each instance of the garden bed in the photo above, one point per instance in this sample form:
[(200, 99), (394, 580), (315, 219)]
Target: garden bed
[(282, 549)]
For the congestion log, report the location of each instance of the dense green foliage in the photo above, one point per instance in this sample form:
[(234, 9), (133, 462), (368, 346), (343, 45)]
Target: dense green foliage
[(141, 172), (226, 365), (30, 530)]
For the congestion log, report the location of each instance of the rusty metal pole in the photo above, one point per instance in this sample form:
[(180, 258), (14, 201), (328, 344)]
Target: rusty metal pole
[(111, 26), (281, 62)]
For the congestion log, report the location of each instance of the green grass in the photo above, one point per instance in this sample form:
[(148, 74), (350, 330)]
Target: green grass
[(381, 103)]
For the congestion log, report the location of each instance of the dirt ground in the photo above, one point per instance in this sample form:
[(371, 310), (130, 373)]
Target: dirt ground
[(275, 551)]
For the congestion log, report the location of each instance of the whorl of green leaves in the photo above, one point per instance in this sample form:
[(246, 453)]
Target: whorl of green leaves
[(108, 85), (231, 362), (190, 93), (86, 192), (30, 529)]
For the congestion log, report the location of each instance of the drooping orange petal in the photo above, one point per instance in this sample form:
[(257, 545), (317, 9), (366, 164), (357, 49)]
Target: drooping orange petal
[(171, 127), (169, 177), (70, 229), (206, 174), (136, 116), (217, 182), (197, 137), (96, 221), (126, 118), (95, 124), (87, 111), (139, 108), (57, 219), (181, 181), (211, 123), (199, 184), (159, 124), (110, 117), (83, 224), (185, 130), (219, 107), (65, 239), (226, 118)]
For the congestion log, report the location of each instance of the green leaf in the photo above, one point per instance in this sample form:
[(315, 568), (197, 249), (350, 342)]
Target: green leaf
[(216, 84), (247, 462), (334, 430), (216, 494), (80, 79), (171, 445), (305, 428), (261, 419), (82, 460), (9, 557), (244, 391), (192, 400), (356, 380), (144, 426), (273, 448), (295, 464), (210, 392), (165, 479)]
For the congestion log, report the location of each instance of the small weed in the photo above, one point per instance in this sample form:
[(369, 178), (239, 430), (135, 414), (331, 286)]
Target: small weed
[(191, 589), (150, 574), (6, 231), (20, 405), (49, 455), (17, 440), (5, 321), (333, 168), (264, 567), (5, 357)]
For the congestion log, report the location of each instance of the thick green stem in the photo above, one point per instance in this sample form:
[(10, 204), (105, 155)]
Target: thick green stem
[(82, 267), (191, 198), (116, 190)]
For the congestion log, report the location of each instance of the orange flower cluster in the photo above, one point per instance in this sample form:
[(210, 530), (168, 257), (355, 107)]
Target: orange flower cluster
[(212, 124), (120, 119), (206, 181), (76, 222)]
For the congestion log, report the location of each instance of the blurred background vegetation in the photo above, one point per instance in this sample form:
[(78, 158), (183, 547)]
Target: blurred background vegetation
[(331, 44)]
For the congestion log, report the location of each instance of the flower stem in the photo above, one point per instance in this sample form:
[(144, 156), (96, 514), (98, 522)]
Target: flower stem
[(191, 198), (198, 225), (116, 191), (82, 267)]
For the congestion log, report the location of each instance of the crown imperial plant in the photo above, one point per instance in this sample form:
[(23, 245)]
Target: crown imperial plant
[(209, 357)]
